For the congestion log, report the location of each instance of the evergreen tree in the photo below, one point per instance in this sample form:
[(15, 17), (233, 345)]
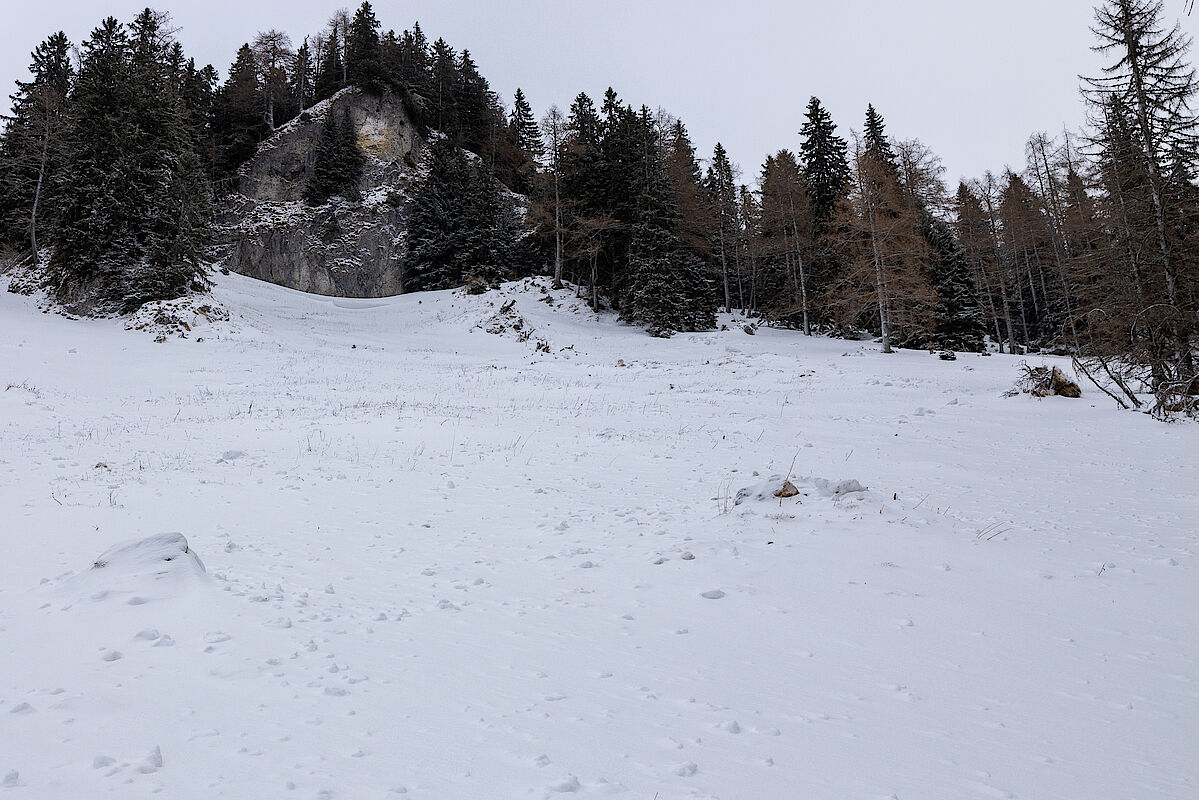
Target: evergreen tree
[(722, 199), (524, 125), (460, 227), (135, 222), (32, 147), (874, 136), (826, 165), (826, 180), (303, 77), (364, 55), (668, 288), (524, 137), (238, 114), (958, 317), (444, 81), (415, 64), (338, 164), (329, 78), (198, 87), (476, 109), (96, 238), (581, 161)]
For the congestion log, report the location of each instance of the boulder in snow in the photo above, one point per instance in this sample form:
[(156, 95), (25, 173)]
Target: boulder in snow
[(139, 571)]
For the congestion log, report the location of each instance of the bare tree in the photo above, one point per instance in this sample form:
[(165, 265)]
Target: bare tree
[(272, 51), (553, 129), (889, 257)]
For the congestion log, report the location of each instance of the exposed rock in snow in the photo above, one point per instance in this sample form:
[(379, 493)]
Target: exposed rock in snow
[(183, 317), (778, 488), (341, 248)]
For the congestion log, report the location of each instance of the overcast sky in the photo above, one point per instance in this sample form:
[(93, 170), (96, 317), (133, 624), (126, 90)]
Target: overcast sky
[(971, 78)]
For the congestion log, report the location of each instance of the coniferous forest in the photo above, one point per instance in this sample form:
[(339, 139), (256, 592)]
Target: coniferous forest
[(116, 156)]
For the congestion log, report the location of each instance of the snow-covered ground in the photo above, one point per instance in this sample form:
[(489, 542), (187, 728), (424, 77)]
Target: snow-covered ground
[(426, 561)]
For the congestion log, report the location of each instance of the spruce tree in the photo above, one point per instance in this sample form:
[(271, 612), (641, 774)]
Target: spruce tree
[(524, 126), (135, 223), (476, 108), (460, 227), (668, 289), (520, 146), (96, 238), (238, 112), (722, 199), (877, 145), (32, 146), (329, 75), (338, 162), (443, 83), (415, 63), (302, 77), (825, 160), (958, 321), (351, 161), (364, 56)]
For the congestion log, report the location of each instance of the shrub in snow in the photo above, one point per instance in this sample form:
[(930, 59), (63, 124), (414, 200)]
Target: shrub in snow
[(1044, 381)]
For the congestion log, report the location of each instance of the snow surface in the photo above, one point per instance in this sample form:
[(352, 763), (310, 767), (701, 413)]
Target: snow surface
[(448, 564)]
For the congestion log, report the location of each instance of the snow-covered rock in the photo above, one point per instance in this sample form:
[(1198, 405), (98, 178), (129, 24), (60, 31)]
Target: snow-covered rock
[(138, 571)]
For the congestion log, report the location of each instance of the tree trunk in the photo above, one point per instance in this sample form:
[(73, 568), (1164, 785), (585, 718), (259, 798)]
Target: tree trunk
[(557, 234), (1003, 295), (880, 283), (803, 281), (37, 192), (724, 269)]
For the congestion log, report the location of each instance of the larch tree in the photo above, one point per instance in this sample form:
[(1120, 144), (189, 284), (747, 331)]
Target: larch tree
[(554, 131), (272, 53), (1142, 108)]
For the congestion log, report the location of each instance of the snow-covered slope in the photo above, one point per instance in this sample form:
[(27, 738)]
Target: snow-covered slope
[(424, 560)]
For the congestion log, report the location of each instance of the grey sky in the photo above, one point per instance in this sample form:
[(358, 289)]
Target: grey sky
[(971, 78)]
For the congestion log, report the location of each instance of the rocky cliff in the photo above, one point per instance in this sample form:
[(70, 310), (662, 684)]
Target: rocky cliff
[(342, 248)]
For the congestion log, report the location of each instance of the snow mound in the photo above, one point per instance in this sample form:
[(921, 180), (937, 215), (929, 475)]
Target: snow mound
[(178, 318), (139, 571)]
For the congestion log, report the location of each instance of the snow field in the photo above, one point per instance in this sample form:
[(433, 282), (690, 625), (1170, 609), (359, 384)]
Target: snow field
[(442, 563)]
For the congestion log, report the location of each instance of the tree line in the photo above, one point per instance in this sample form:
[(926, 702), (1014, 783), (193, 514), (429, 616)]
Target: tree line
[(112, 162)]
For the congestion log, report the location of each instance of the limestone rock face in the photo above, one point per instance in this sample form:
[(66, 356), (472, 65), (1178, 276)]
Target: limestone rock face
[(342, 248)]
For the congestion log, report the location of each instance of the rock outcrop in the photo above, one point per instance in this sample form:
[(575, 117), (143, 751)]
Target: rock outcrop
[(341, 248)]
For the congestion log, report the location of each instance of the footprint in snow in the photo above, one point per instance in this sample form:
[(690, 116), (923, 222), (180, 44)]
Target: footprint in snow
[(152, 762), (567, 786), (713, 594)]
